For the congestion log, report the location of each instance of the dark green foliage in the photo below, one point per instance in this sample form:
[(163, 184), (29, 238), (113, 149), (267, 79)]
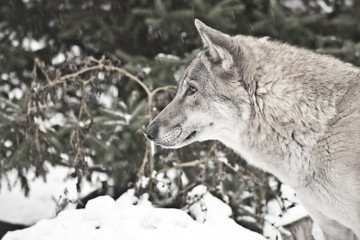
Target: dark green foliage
[(98, 137)]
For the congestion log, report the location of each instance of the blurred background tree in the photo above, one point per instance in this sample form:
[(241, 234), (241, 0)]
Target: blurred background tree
[(97, 126)]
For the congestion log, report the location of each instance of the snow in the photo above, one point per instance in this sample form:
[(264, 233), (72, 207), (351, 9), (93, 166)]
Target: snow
[(276, 219), (41, 202), (168, 57), (146, 70), (16, 93), (131, 218), (207, 208), (60, 58), (33, 45), (324, 7), (294, 4), (106, 100), (48, 124), (106, 6), (74, 52), (8, 143), (292, 215)]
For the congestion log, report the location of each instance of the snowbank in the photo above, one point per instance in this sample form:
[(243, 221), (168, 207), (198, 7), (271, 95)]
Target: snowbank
[(129, 218)]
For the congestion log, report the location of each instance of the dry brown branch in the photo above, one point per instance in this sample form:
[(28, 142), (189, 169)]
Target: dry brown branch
[(62, 81)]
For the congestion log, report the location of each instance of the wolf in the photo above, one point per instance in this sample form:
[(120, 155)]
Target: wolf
[(287, 110)]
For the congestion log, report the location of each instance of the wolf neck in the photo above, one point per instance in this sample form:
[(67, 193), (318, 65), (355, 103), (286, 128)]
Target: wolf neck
[(291, 108), (280, 158), (281, 141)]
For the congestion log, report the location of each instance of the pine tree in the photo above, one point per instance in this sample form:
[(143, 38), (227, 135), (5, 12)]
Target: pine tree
[(103, 111)]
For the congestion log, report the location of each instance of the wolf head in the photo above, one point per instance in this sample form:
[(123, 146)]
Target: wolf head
[(206, 99)]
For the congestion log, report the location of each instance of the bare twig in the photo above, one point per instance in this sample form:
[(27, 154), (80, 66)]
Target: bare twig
[(75, 77), (185, 165)]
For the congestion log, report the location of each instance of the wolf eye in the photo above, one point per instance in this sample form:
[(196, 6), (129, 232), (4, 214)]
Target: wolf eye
[(191, 90)]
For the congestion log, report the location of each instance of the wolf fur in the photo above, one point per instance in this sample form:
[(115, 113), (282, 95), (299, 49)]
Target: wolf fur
[(286, 110)]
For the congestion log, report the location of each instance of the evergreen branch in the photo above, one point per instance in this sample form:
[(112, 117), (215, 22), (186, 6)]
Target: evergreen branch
[(247, 176), (77, 138), (7, 117), (6, 101)]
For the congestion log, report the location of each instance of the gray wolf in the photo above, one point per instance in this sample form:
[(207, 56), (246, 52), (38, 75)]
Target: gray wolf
[(289, 111)]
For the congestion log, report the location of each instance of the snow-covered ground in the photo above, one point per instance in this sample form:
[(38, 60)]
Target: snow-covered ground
[(127, 217), (136, 219)]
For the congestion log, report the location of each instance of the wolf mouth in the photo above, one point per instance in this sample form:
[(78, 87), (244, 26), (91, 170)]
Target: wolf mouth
[(191, 135)]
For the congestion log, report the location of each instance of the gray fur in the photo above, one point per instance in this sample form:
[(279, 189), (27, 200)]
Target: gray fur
[(286, 110)]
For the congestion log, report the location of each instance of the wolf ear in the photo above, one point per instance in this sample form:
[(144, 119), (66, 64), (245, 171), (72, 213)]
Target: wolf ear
[(217, 43)]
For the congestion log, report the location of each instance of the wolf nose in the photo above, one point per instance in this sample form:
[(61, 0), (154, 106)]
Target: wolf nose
[(151, 131)]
